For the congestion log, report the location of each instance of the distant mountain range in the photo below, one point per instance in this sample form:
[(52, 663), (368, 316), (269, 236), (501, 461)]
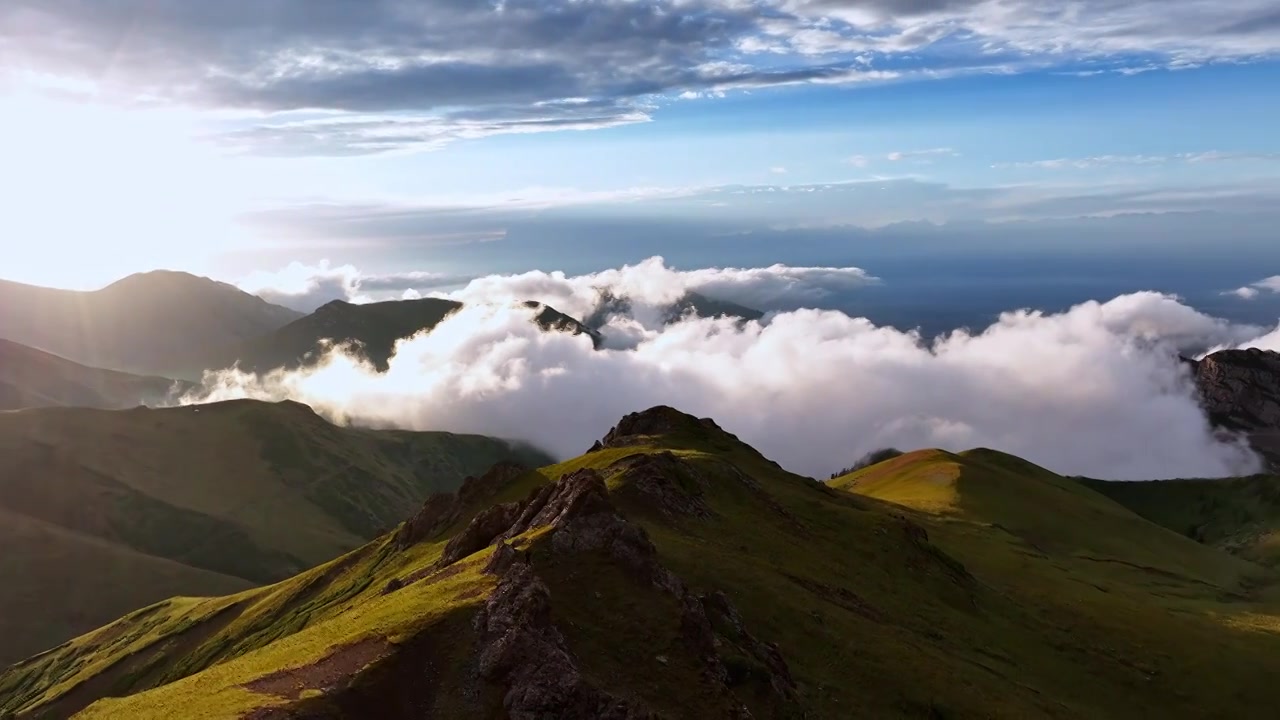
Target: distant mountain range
[(674, 572), (177, 325), (157, 323)]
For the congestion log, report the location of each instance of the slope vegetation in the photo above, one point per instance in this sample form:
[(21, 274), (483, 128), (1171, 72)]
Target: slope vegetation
[(1238, 515), (675, 572), (157, 323), (197, 500), (33, 378)]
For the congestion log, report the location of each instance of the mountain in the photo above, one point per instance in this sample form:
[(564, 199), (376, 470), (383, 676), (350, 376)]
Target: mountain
[(157, 323), (373, 329), (691, 303), (674, 572), (1240, 391), (33, 378), (128, 507), (703, 306)]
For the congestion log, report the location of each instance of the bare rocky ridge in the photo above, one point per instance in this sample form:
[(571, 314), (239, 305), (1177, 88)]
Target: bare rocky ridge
[(521, 649), (1240, 391)]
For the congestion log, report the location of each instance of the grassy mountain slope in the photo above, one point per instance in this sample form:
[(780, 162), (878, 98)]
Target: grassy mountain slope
[(372, 329), (243, 489), (57, 583), (33, 378), (675, 572), (157, 323), (1238, 515)]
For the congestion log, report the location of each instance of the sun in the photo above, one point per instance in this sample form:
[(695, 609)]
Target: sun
[(93, 192)]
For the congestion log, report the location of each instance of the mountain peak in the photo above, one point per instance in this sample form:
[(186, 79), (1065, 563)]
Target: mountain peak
[(660, 420)]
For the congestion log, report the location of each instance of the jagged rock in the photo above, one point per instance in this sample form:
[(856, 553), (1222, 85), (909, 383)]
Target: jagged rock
[(521, 649), (442, 509), (667, 483), (731, 628), (1240, 391), (480, 533)]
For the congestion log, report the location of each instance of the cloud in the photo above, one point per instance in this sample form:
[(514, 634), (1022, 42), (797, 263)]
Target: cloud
[(345, 77), (859, 161), (1095, 390), (305, 287), (778, 170), (651, 287), (1252, 291), (920, 155), (1097, 161)]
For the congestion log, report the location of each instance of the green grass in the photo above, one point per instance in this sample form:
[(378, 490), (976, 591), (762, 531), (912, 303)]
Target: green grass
[(971, 585), (1238, 515), (239, 493)]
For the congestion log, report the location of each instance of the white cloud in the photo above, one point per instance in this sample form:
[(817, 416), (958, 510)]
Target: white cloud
[(778, 170), (859, 161), (1244, 293), (1097, 161), (920, 156), (1252, 291), (306, 287), (1096, 390), (651, 287)]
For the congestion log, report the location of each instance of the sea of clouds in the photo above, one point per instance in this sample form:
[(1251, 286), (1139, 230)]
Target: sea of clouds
[(1096, 390)]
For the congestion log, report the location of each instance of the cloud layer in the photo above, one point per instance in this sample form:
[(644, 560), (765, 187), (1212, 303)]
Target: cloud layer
[(650, 287), (1096, 390), (371, 76)]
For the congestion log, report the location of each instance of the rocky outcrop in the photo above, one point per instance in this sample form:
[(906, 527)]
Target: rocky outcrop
[(522, 650), (442, 510), (520, 647), (1240, 391), (670, 486)]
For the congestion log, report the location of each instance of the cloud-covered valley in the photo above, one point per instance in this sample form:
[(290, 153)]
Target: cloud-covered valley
[(1095, 390)]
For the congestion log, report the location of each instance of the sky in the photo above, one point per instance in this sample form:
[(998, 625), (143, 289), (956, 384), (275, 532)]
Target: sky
[(971, 222), (458, 138)]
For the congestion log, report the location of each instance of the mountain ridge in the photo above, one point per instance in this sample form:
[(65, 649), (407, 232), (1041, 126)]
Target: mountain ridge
[(673, 571)]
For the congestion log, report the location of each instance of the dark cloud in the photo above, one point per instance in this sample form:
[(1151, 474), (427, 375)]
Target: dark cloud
[(468, 68)]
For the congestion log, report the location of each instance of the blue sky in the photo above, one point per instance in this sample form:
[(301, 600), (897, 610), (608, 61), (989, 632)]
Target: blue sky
[(458, 138)]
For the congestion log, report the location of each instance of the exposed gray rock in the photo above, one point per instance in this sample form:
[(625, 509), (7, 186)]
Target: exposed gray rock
[(1240, 391)]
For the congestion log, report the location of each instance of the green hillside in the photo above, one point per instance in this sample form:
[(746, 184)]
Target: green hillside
[(1238, 515), (675, 572), (234, 494), (32, 378)]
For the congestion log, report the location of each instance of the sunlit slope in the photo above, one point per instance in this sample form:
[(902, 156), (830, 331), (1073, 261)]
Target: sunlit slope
[(246, 490), (1238, 515), (1048, 513), (675, 572)]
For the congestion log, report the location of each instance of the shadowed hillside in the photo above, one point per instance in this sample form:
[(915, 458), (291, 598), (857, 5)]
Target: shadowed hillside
[(141, 504), (33, 378), (674, 572), (156, 323), (1238, 515)]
